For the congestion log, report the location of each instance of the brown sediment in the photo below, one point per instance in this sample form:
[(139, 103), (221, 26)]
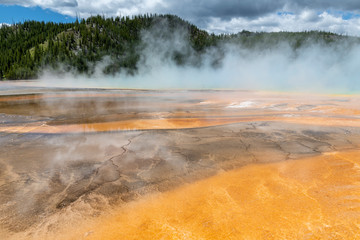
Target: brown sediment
[(337, 110), (174, 123), (312, 198), (74, 112), (51, 182), (7, 98)]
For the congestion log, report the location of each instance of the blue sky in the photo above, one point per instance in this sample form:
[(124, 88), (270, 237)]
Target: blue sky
[(15, 14), (219, 16)]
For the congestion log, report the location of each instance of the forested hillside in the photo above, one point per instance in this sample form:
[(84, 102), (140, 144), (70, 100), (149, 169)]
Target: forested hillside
[(27, 48)]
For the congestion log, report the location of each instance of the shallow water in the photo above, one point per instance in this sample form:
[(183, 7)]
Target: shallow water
[(80, 111), (311, 198), (127, 164)]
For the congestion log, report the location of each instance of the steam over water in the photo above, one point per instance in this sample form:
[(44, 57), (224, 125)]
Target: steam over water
[(177, 164), (315, 66), (237, 142), (292, 200)]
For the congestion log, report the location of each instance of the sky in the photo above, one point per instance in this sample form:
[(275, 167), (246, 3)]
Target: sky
[(218, 16)]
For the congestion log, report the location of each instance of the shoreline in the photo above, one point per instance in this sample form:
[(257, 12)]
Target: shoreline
[(36, 83)]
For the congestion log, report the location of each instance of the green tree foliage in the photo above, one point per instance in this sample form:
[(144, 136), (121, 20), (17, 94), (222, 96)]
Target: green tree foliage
[(22, 47), (28, 47)]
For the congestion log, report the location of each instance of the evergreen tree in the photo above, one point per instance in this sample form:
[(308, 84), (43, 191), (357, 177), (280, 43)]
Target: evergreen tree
[(28, 47)]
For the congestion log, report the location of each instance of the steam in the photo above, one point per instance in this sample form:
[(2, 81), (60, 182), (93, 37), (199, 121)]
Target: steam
[(314, 67)]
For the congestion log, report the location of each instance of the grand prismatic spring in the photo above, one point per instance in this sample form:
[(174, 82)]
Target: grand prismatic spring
[(217, 164)]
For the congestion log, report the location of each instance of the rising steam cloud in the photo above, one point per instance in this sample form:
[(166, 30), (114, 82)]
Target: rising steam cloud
[(314, 67)]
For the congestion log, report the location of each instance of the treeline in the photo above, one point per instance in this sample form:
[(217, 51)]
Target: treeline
[(27, 48)]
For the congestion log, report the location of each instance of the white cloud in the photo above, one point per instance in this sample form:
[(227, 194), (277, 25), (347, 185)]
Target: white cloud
[(222, 16), (304, 21), (4, 24), (86, 8), (42, 3)]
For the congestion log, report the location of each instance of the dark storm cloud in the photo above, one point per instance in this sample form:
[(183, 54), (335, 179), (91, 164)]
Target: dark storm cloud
[(252, 8), (224, 9), (15, 2), (68, 3), (345, 5), (41, 3), (224, 15)]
